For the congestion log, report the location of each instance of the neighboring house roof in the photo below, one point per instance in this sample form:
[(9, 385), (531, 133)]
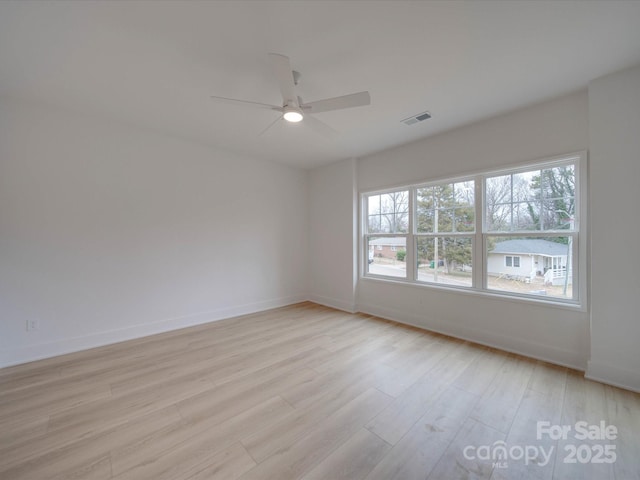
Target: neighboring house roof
[(389, 241), (533, 246)]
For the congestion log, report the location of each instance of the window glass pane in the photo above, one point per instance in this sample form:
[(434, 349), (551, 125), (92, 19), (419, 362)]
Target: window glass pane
[(386, 256), (558, 198), (531, 201), (445, 219), (388, 212), (374, 224), (526, 216), (373, 213), (498, 217), (524, 189), (498, 203), (424, 210), (464, 219), (448, 207), (445, 260), (464, 193), (533, 266)]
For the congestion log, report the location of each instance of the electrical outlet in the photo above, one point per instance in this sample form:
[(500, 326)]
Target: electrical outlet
[(33, 325)]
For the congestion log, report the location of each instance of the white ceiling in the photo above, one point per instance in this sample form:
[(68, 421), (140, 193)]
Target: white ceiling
[(155, 64)]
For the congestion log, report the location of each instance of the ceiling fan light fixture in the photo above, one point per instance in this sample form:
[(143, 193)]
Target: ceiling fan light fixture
[(292, 114)]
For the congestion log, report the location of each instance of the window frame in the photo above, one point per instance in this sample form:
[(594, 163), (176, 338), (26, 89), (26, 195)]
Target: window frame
[(479, 237), (364, 215), (437, 234)]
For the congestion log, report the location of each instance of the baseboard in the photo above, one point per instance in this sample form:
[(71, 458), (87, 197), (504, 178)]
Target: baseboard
[(333, 303), (616, 376), (30, 353), (506, 343)]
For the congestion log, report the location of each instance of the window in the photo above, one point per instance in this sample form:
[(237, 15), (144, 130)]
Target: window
[(512, 232), (511, 261), (444, 227), (387, 226), (531, 212)]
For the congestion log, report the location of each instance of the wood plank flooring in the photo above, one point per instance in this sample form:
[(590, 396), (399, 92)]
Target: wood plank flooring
[(303, 392)]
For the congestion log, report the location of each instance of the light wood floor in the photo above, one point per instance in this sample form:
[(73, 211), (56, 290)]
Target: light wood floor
[(300, 392)]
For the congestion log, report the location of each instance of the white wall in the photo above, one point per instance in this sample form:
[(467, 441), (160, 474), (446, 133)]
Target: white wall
[(556, 334), (332, 233), (109, 232), (614, 130)]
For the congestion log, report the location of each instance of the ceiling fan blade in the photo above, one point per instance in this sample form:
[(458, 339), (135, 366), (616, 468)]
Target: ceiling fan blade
[(269, 126), (319, 126), (284, 74), (246, 103), (337, 103)]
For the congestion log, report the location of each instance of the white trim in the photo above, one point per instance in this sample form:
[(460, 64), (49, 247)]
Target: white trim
[(336, 303), (613, 375), (30, 353)]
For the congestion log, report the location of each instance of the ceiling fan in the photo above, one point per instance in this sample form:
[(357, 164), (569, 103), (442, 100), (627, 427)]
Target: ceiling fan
[(293, 109)]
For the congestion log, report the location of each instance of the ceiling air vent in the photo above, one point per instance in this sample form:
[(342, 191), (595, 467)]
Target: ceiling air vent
[(417, 118)]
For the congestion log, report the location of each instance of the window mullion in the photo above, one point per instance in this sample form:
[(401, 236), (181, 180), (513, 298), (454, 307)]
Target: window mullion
[(478, 252), (410, 261)]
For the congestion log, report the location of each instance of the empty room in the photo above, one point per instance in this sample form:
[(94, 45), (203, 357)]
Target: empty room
[(319, 240)]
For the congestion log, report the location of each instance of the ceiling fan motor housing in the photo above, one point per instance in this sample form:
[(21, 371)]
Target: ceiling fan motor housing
[(292, 113)]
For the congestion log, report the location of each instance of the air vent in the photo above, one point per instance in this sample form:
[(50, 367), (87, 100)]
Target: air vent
[(417, 118)]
